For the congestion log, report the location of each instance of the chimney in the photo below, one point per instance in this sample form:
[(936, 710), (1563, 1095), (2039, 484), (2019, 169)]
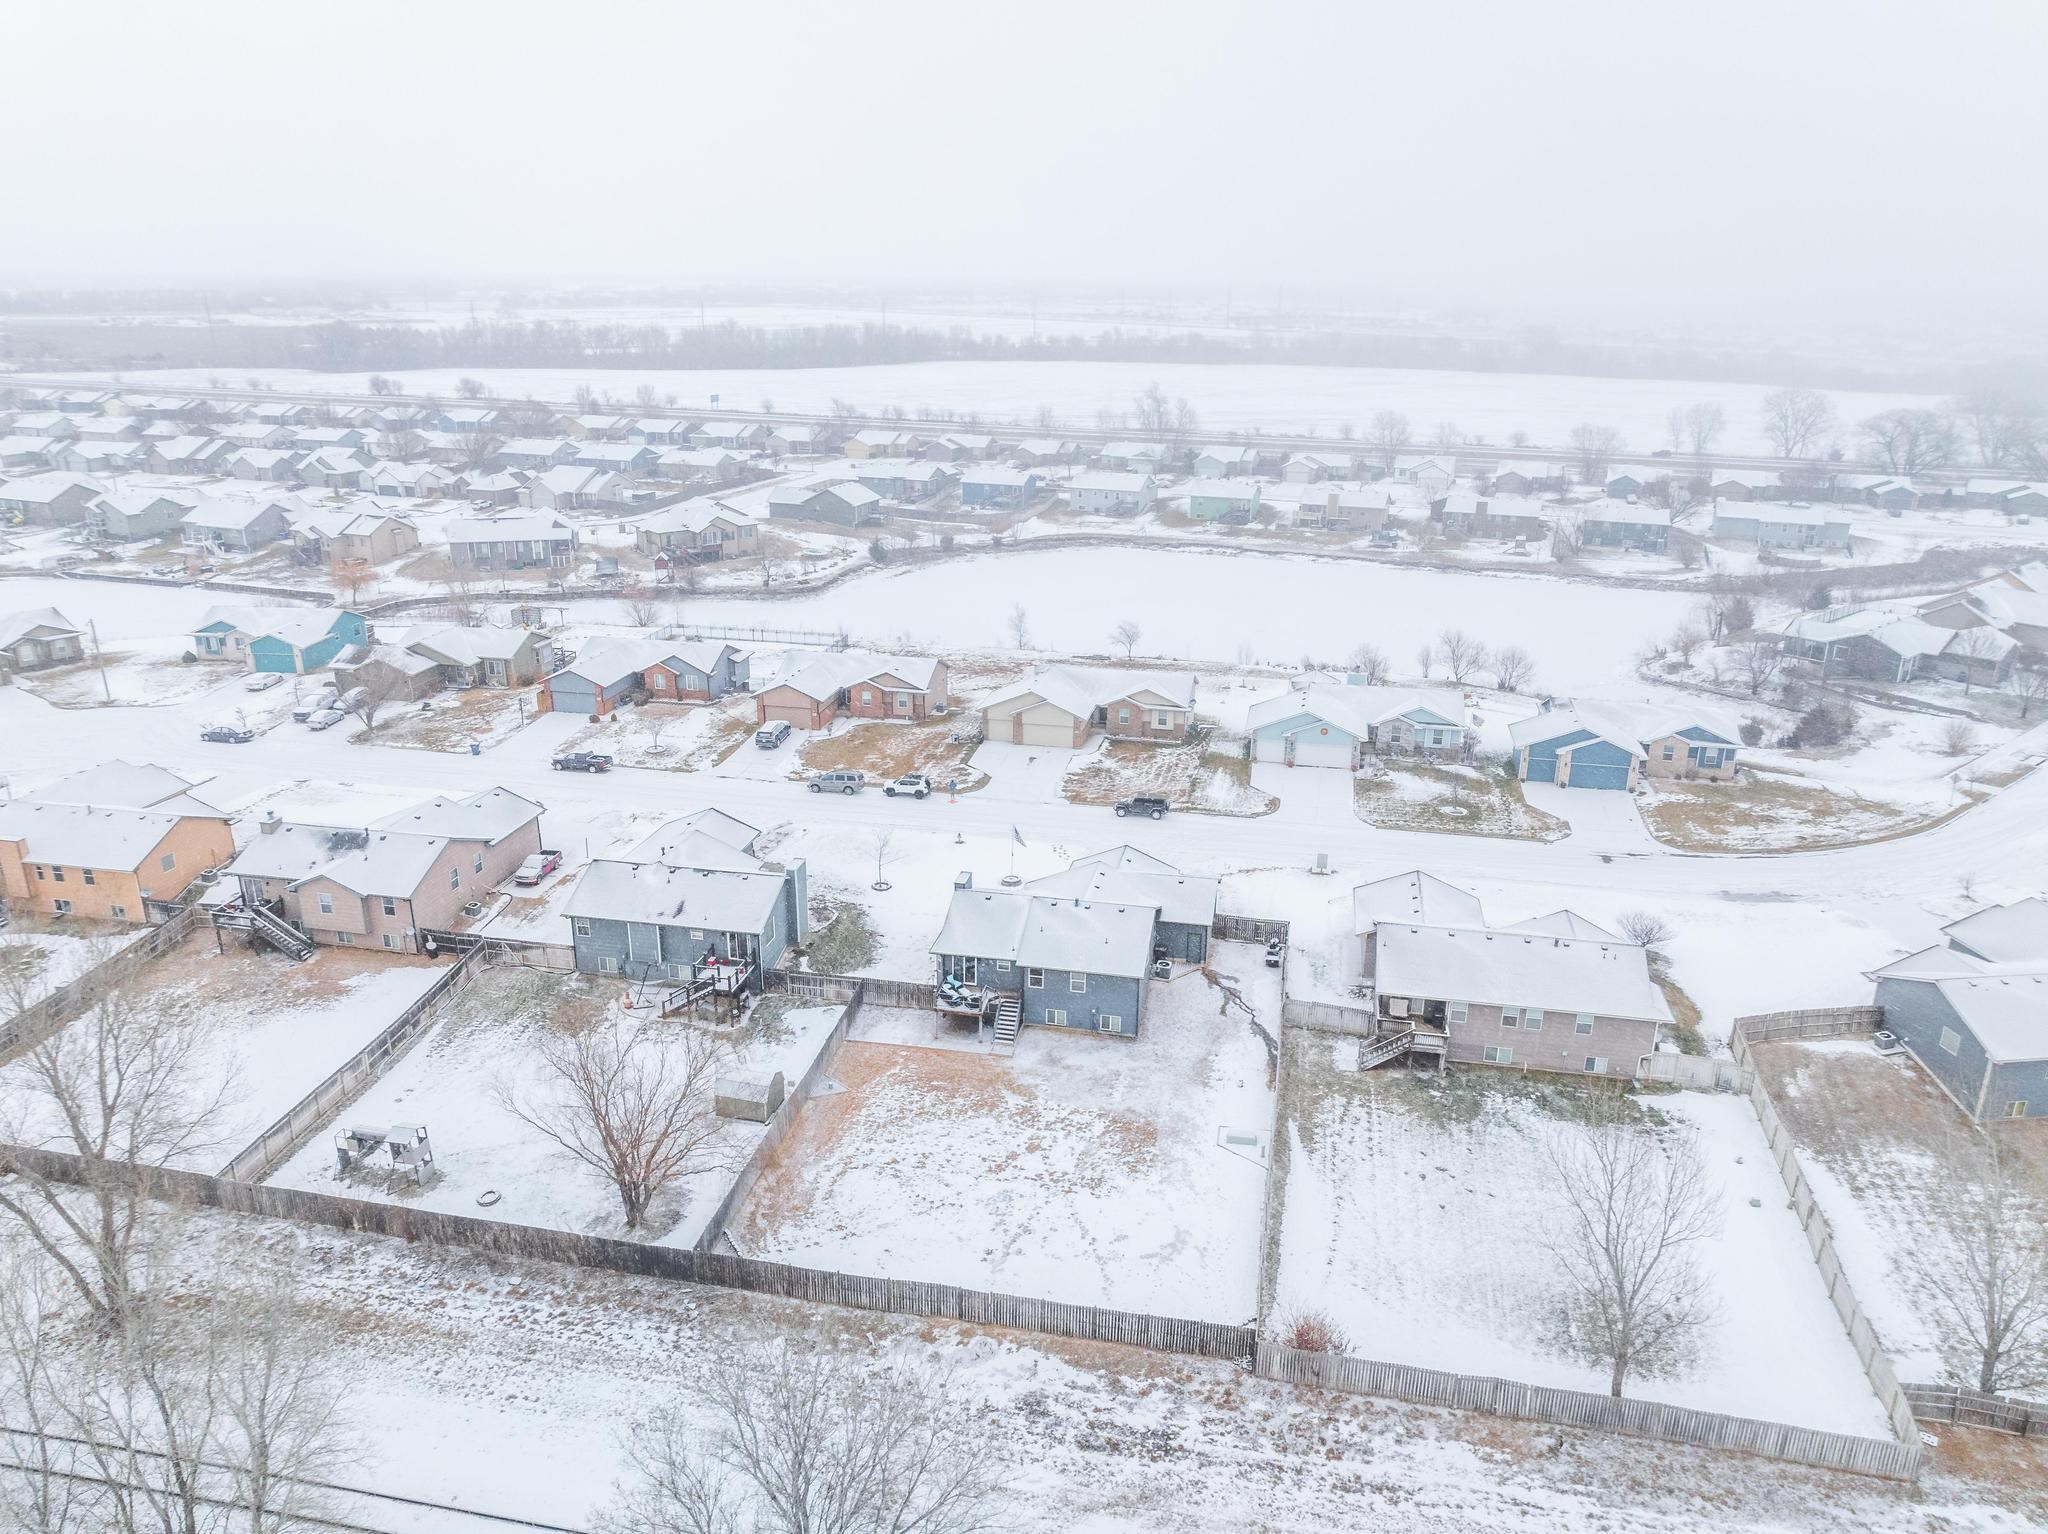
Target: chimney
[(270, 822), (964, 880)]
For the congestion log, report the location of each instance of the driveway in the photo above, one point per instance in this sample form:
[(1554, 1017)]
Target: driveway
[(1602, 819), (1309, 796), (1031, 774)]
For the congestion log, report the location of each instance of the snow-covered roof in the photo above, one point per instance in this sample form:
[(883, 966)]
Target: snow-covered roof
[(540, 527), (463, 644), (488, 816), (1223, 489), (1783, 514), (295, 625), (1006, 479), (715, 899), (231, 513), (825, 674), (705, 829), (1226, 454), (2004, 933), (2005, 1005), (1564, 923), (1042, 932), (1355, 710), (1529, 468), (1615, 725), (84, 836), (41, 489), (126, 785), (693, 517), (1128, 450), (610, 658), (1081, 690), (1112, 879), (16, 626), (1608, 978), (697, 654), (1900, 629), (1414, 897), (1112, 480), (1639, 514), (855, 494)]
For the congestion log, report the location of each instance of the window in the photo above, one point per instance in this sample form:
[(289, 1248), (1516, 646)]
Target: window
[(1596, 1065), (1670, 753), (57, 874), (1035, 979), (326, 905), (390, 906), (661, 681), (583, 926), (168, 861), (40, 873), (867, 697), (1457, 1011), (1511, 1017), (1109, 1022), (1497, 1054), (2016, 1109), (1163, 719), (1002, 966), (346, 939), (86, 875), (478, 865), (118, 912), (391, 940), (1533, 1018), (1951, 1041), (455, 878), (696, 934), (1078, 984), (1123, 716), (62, 907), (608, 965), (1057, 1016), (1583, 1023)]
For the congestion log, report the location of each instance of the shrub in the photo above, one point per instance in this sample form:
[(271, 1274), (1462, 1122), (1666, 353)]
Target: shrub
[(1646, 928), (1752, 732), (1825, 724), (1311, 1331)]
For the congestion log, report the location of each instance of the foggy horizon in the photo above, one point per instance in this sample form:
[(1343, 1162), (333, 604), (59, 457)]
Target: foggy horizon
[(1841, 170)]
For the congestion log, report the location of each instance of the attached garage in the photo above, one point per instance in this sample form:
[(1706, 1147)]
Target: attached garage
[(1596, 764), (1307, 744), (1032, 721), (795, 707), (1597, 774)]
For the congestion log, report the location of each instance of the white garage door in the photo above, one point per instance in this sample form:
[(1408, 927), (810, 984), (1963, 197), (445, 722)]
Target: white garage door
[(1024, 730), (1269, 748), (1314, 749)]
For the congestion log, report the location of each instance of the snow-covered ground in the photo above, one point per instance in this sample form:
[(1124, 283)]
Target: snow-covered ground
[(1416, 1216), (1094, 1171)]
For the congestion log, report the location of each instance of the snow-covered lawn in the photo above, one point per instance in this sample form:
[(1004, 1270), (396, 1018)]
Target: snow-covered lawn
[(1187, 775), (452, 721), (1451, 796), (38, 957), (1415, 1215), (1081, 1169), (449, 1083), (886, 749), (681, 737)]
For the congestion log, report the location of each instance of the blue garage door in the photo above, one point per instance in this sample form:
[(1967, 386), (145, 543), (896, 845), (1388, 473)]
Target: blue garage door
[(1598, 775)]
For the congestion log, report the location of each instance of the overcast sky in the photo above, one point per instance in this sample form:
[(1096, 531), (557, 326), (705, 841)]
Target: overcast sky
[(1834, 159)]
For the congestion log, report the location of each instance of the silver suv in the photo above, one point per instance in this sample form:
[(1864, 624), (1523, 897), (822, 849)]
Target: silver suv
[(844, 782)]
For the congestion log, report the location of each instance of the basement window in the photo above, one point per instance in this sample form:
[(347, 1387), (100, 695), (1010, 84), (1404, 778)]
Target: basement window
[(1497, 1054), (1951, 1041), (2016, 1109)]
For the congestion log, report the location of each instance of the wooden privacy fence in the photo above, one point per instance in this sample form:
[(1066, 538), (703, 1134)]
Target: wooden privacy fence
[(262, 1156), (1582, 1409), (1328, 1017), (1248, 929), (1823, 1023), (1696, 1071), (1973, 1408), (30, 1026)]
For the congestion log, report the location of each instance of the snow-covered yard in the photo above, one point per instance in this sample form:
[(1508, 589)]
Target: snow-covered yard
[(38, 957), (681, 737), (1415, 1215), (446, 721), (449, 1082), (1187, 775), (1453, 796), (1089, 1170)]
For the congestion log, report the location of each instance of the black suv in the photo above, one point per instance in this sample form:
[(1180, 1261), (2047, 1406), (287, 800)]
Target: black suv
[(1142, 804)]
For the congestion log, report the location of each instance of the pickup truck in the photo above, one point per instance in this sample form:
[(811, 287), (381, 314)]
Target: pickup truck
[(1142, 804), (583, 761), (538, 866)]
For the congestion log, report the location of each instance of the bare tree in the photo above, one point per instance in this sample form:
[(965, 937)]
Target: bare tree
[(1958, 738), (470, 388), (1125, 637), (2002, 423), (1425, 657), (41, 1496), (629, 1100), (1512, 667), (643, 606), (1567, 539), (1447, 434), (459, 591), (2030, 687), (1736, 614), (121, 1088), (809, 1444), (1758, 662), (1701, 426), (1370, 664), (1019, 628), (1388, 433), (1647, 929), (883, 843), (1685, 641), (1910, 441), (1975, 646), (369, 696), (1632, 1206), (1990, 1277), (1463, 655), (1593, 449), (1797, 421)]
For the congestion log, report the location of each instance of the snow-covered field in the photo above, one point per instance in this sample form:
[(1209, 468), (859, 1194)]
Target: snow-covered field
[(1227, 397), (1416, 1214), (1081, 1169)]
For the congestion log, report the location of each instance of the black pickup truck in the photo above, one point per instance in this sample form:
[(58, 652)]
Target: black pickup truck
[(583, 761)]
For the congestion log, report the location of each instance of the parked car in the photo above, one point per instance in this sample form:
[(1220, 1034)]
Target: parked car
[(326, 719), (166, 570), (261, 681), (351, 700), (844, 782), (1142, 804), (538, 866), (915, 784), (323, 699), (583, 761), (227, 734), (769, 736)]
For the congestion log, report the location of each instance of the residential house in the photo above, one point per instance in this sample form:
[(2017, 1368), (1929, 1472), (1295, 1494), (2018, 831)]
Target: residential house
[(1076, 949), (1623, 484), (1461, 514), (191, 455), (879, 443), (1896, 496), (128, 516), (909, 483), (1328, 506), (537, 452), (1583, 745), (493, 490), (1132, 457), (1731, 486), (692, 670), (661, 430), (1528, 477), (390, 883), (569, 487), (366, 534), (1341, 726), (1222, 500), (1307, 468), (414, 481), (2024, 501), (336, 468), (600, 427), (45, 423), (1061, 706), (894, 686), (810, 691), (694, 905), (511, 542), (471, 420), (280, 413), (629, 458), (734, 436), (31, 453), (1897, 642), (1776, 526), (847, 505), (795, 503), (235, 522), (2019, 614), (102, 457), (255, 434), (1038, 452), (52, 499), (698, 466), (1431, 475), (104, 862), (606, 672), (1106, 492), (108, 428), (699, 530), (1626, 525), (1224, 462), (960, 447), (1555, 993), (264, 463), (38, 637), (293, 640), (800, 441), (1974, 1011), (314, 439), (476, 656), (999, 488), (391, 672)]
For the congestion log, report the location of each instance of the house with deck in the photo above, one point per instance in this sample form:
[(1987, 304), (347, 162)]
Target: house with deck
[(366, 533), (878, 442), (1900, 642), (908, 482), (575, 486), (535, 542), (1224, 461), (990, 487), (236, 523), (1223, 500), (1489, 518), (1626, 525), (1775, 525), (699, 531), (130, 516), (1973, 1010), (1529, 477), (49, 500), (1327, 506), (476, 655), (1109, 493), (103, 861)]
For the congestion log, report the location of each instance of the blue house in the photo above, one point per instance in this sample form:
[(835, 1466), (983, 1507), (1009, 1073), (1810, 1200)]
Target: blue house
[(1341, 725), (605, 672), (1572, 750), (1975, 1012), (282, 639), (998, 487)]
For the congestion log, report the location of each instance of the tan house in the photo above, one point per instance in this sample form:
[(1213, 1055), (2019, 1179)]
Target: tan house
[(103, 862), (387, 884), (700, 531), (903, 688), (818, 688), (1061, 706), (371, 535)]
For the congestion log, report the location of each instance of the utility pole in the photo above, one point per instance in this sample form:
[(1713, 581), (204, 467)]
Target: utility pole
[(99, 659)]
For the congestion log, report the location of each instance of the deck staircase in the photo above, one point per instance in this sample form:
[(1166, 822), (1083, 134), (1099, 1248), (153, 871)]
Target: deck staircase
[(1008, 1015), (1379, 1050), (259, 923)]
